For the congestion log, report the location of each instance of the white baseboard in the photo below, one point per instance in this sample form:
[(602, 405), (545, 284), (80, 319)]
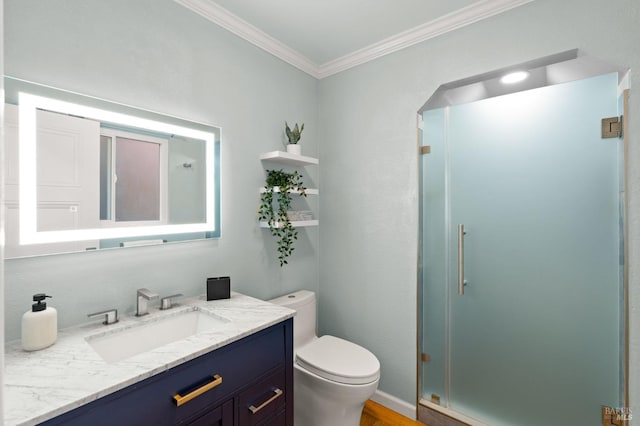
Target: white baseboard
[(396, 404)]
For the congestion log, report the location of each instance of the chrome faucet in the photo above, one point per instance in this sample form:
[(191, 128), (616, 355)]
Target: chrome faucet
[(167, 302), (110, 316), (143, 298)]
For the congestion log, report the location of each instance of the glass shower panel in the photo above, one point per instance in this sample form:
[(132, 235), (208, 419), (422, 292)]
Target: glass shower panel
[(535, 338), (434, 256)]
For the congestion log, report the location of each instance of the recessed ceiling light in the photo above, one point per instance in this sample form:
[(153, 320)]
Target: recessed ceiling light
[(514, 77)]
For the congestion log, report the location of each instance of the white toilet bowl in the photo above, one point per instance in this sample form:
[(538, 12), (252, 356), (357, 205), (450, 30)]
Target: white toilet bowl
[(332, 377), (329, 395)]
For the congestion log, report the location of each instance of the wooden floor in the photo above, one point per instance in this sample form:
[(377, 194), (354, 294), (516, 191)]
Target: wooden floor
[(375, 414)]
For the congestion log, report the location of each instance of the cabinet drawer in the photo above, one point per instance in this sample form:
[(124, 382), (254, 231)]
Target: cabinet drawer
[(280, 419), (152, 402), (235, 367), (219, 416), (263, 399)]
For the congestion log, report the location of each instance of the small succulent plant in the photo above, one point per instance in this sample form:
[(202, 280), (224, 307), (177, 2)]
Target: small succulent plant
[(295, 134)]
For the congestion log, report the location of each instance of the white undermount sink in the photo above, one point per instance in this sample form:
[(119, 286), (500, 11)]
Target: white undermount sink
[(116, 345)]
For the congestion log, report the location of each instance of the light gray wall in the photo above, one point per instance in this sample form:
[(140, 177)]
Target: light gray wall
[(158, 55), (369, 171), (2, 292)]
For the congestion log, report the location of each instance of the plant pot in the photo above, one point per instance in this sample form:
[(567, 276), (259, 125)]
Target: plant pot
[(294, 149)]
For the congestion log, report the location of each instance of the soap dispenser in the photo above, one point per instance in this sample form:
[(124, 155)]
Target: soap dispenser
[(39, 325)]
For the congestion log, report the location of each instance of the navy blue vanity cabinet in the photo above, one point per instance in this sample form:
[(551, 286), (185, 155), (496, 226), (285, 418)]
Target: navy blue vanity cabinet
[(246, 383), (263, 400), (219, 416)]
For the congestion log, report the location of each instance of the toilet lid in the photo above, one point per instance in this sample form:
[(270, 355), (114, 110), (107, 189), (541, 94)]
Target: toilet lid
[(339, 360)]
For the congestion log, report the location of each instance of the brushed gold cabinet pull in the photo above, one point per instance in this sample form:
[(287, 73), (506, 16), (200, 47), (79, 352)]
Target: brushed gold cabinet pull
[(277, 393), (179, 399)]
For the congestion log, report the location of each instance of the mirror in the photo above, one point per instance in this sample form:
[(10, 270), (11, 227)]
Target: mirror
[(84, 173)]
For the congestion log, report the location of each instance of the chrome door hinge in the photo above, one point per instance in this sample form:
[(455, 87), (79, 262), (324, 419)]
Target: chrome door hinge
[(612, 127)]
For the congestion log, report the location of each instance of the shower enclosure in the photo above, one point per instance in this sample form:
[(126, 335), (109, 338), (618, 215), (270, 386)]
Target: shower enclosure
[(521, 268)]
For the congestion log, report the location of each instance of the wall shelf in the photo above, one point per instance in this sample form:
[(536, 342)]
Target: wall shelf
[(295, 223), (308, 191), (289, 159), (293, 161)]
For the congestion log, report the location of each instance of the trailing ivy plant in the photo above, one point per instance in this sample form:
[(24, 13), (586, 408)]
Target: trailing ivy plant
[(279, 223)]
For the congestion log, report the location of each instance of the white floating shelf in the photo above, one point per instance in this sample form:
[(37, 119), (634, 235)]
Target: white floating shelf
[(295, 223), (290, 159), (308, 191)]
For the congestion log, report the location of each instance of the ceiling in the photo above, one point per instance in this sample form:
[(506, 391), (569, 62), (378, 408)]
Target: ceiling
[(323, 30), (323, 37)]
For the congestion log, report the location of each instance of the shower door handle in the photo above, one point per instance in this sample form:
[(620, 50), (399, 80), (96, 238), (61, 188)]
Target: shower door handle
[(461, 281)]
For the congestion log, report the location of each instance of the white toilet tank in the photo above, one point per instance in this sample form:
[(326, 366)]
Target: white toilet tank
[(304, 323)]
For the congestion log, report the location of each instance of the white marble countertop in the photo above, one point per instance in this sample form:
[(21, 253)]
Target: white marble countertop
[(44, 384)]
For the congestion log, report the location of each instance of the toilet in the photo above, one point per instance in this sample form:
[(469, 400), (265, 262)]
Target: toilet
[(332, 377)]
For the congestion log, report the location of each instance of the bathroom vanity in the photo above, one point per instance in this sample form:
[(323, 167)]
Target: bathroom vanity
[(236, 371)]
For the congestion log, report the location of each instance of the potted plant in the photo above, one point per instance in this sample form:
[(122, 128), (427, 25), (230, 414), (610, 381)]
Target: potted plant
[(293, 137), (282, 184)]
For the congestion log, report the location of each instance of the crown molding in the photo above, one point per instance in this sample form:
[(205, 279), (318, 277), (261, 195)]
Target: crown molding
[(452, 21), (238, 26), (475, 12)]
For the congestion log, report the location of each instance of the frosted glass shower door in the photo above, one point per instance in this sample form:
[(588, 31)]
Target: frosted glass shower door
[(535, 339)]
